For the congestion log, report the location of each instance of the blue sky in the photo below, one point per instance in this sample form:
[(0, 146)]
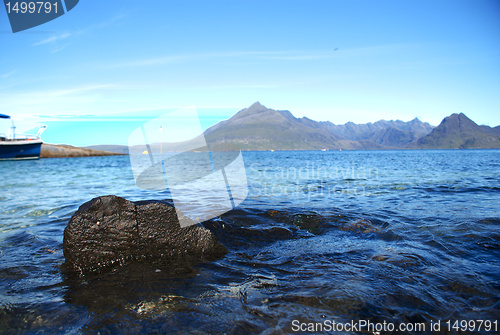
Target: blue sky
[(96, 73)]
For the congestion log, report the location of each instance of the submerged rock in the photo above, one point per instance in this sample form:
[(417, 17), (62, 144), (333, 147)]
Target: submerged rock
[(110, 230)]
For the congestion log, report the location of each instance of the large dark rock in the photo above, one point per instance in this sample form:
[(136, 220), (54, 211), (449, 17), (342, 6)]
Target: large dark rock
[(110, 230)]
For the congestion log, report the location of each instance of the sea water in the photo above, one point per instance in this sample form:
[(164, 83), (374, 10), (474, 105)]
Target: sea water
[(406, 238)]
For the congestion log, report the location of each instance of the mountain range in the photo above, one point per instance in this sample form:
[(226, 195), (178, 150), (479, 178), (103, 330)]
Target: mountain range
[(260, 128)]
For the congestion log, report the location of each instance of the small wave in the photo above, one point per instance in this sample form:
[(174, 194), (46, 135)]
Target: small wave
[(459, 189)]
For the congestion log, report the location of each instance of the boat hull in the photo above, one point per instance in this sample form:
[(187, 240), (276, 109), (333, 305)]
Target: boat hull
[(22, 149)]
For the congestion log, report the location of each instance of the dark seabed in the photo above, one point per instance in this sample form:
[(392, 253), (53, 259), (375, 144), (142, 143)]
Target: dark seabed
[(402, 237)]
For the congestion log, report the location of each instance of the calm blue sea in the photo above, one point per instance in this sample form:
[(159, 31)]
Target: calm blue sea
[(402, 237)]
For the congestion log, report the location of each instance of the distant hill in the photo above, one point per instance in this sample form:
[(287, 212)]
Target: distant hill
[(457, 131), (120, 149)]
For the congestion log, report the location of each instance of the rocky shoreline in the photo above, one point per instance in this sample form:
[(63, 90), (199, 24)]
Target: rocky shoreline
[(63, 151)]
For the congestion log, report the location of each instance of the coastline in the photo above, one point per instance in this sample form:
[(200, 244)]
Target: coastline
[(64, 151)]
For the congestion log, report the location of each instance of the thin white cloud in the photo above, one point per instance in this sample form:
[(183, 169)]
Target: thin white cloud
[(53, 101), (231, 86), (194, 57), (56, 38), (8, 74), (112, 20), (52, 39), (153, 61), (339, 52), (269, 55), (55, 50), (70, 91)]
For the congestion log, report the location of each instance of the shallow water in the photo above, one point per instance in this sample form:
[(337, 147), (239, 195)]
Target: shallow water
[(394, 236)]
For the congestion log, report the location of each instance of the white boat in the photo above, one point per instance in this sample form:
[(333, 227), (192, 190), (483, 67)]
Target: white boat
[(21, 146)]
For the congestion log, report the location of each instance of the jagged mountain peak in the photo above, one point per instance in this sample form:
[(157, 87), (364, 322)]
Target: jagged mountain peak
[(257, 106), (458, 131), (457, 122), (254, 108), (458, 116), (260, 113)]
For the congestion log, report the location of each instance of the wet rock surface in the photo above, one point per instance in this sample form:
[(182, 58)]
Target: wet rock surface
[(110, 231)]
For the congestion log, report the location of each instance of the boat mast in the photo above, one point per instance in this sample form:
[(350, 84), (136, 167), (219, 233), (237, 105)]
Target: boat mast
[(161, 141), (13, 130)]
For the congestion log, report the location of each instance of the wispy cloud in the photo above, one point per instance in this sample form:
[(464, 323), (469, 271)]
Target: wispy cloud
[(153, 61), (286, 55), (358, 52), (54, 101), (112, 20), (59, 37), (240, 86), (197, 57), (74, 90), (53, 39), (8, 74), (56, 50), (61, 92)]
